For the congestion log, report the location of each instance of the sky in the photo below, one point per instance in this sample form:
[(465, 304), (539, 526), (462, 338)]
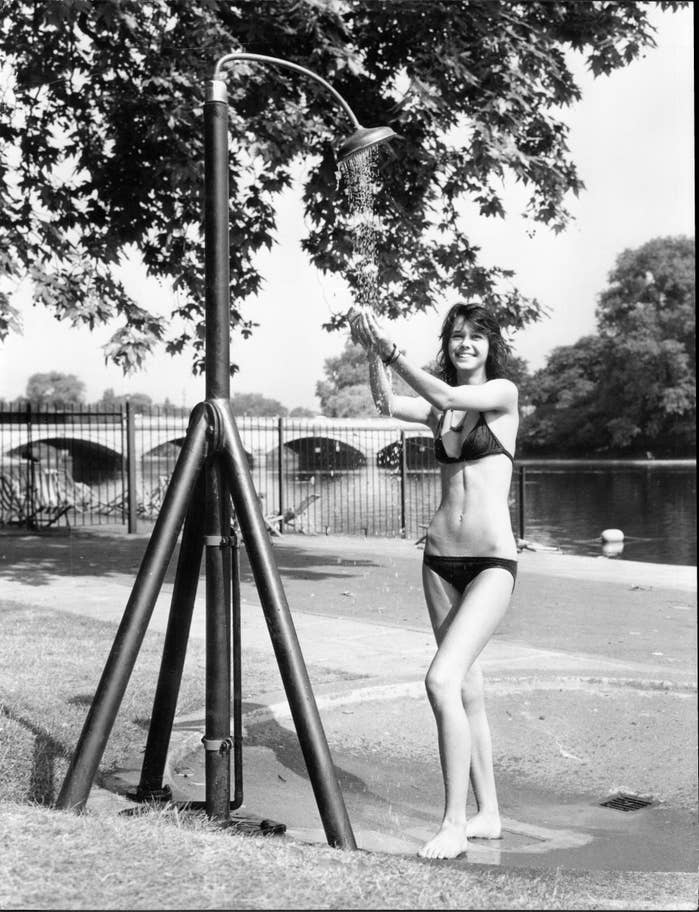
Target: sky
[(632, 138)]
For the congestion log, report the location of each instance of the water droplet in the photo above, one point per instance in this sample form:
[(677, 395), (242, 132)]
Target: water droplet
[(359, 175)]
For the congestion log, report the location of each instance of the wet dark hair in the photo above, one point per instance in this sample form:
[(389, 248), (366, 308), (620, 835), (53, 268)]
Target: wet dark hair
[(479, 318)]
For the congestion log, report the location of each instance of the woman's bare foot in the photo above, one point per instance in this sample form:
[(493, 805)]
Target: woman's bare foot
[(450, 841), (484, 826)]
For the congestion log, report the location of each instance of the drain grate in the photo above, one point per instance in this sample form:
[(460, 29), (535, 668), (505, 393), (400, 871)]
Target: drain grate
[(622, 802)]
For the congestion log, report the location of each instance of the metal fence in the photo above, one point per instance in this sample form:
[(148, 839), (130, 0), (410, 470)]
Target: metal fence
[(88, 466)]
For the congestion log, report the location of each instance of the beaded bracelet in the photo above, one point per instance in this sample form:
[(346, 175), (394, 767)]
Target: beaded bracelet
[(394, 356)]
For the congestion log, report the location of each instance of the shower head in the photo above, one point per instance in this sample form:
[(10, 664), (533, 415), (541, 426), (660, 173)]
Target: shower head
[(364, 138)]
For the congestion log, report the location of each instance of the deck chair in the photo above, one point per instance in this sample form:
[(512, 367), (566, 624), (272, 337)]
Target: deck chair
[(48, 504), (13, 498), (77, 493), (153, 500), (291, 515), (116, 505)]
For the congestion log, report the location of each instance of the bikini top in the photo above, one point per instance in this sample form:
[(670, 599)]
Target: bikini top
[(479, 442)]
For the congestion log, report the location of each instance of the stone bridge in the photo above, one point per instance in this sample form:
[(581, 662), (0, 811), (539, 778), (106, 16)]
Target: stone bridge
[(311, 443)]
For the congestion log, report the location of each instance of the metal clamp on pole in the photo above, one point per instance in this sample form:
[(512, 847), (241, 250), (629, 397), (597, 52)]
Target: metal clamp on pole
[(218, 745), (218, 541), (214, 431)]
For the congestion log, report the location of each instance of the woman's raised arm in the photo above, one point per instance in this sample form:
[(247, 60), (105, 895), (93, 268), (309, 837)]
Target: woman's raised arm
[(494, 395), (406, 408)]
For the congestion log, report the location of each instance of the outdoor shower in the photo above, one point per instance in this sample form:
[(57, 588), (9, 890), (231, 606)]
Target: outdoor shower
[(362, 138), (210, 473)]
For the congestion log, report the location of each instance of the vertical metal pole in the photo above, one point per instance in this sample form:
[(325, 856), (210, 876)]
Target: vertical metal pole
[(217, 253), (132, 494), (521, 500), (297, 685), (217, 523), (137, 614), (124, 508), (237, 669), (280, 461), (217, 736), (31, 507), (403, 464)]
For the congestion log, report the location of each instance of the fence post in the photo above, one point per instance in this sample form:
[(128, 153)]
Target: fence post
[(403, 465), (31, 488), (131, 493), (280, 463), (521, 500)]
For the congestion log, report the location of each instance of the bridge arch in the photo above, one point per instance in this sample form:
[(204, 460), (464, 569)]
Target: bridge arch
[(167, 451), (419, 454), (84, 460), (321, 453)]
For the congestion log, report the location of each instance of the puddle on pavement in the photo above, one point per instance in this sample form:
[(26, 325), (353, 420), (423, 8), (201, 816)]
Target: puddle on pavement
[(537, 832), (390, 780)]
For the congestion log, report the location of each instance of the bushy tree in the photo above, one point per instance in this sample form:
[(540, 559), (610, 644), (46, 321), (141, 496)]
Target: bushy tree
[(101, 142), (138, 401), (632, 387), (257, 404), (651, 291), (517, 370), (345, 393), (55, 389), (567, 418), (647, 317)]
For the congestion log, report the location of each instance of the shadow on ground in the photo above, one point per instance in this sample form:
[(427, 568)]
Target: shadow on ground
[(33, 557)]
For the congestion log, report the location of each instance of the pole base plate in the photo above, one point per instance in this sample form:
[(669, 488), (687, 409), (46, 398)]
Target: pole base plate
[(246, 824)]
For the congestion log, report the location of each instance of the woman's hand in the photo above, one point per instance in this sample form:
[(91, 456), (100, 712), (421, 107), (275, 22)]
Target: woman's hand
[(357, 332), (367, 333)]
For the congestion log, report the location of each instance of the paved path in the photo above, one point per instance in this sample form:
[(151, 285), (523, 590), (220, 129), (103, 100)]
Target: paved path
[(591, 648)]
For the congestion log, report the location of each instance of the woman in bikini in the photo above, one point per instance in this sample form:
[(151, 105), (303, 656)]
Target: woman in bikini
[(470, 558)]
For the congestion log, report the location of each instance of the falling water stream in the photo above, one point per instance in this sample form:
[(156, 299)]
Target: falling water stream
[(358, 172)]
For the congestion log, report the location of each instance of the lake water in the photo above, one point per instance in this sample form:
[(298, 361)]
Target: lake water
[(567, 505), (654, 504)]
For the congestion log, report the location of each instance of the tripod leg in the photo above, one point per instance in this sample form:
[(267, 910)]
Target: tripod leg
[(174, 651), (217, 736), (137, 614), (237, 671), (297, 685)]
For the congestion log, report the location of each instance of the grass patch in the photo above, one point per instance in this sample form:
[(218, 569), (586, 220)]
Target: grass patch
[(55, 860), (50, 664)]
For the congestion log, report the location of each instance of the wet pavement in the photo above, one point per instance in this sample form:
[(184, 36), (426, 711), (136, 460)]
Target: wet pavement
[(550, 784), (591, 690)]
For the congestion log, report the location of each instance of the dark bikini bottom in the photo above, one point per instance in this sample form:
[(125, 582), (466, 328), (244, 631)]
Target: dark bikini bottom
[(460, 571)]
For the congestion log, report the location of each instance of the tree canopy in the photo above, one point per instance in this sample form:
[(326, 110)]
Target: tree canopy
[(632, 387), (138, 401), (257, 404), (101, 143), (345, 392), (55, 388)]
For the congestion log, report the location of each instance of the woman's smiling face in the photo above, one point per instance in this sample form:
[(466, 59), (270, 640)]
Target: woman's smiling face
[(468, 346)]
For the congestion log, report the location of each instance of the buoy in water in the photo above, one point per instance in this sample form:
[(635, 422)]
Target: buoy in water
[(612, 535), (612, 549)]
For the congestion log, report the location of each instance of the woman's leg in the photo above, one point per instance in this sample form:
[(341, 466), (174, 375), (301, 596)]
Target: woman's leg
[(462, 631), (486, 823)]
